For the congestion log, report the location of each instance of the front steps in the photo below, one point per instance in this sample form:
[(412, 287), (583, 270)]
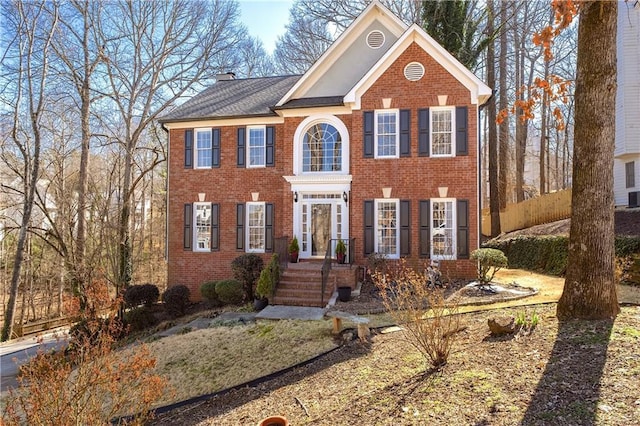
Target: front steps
[(301, 284)]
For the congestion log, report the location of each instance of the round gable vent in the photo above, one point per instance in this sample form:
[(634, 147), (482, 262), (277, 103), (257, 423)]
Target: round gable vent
[(414, 71), (375, 39)]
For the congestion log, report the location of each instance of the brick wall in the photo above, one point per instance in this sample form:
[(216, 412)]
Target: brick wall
[(413, 178)]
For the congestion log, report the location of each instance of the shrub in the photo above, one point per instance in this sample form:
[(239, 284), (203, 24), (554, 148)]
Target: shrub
[(93, 329), (208, 292), (229, 291), (88, 386), (139, 318), (176, 299), (429, 323), (136, 295), (246, 269), (489, 261), (547, 254)]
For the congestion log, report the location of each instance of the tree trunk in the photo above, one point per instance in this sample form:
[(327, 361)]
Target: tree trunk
[(590, 288), (503, 151), (494, 195)]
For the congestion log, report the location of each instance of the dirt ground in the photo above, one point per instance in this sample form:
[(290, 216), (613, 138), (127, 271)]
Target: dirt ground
[(574, 373)]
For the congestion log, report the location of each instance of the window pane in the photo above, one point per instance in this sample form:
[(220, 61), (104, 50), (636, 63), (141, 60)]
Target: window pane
[(630, 174), (386, 133), (255, 224), (387, 228), (256, 147), (203, 148), (322, 149), (441, 132), (442, 228), (203, 226)]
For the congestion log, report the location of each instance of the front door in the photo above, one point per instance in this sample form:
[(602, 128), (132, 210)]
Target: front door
[(320, 228), (322, 217)]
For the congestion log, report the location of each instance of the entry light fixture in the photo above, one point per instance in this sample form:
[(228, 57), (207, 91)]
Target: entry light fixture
[(295, 197), (345, 197)]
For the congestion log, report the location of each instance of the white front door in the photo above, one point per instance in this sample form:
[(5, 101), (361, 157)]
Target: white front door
[(322, 218)]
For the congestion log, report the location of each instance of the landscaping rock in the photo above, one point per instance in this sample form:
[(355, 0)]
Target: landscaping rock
[(500, 326)]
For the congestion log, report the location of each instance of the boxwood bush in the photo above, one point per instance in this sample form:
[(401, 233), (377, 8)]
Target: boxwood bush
[(144, 294), (208, 292), (230, 291), (548, 254), (176, 299), (139, 318)]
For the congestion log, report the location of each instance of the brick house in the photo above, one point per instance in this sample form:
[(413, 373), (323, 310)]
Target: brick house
[(376, 144)]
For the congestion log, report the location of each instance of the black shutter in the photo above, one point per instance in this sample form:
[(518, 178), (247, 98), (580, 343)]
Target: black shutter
[(188, 234), (271, 147), (405, 228), (461, 131), (215, 227), (368, 132), (240, 227), (188, 149), (423, 132), (405, 133), (462, 216), (425, 228), (268, 228), (215, 147), (241, 147), (369, 228)]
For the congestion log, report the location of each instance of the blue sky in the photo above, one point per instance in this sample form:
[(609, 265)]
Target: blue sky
[(266, 19)]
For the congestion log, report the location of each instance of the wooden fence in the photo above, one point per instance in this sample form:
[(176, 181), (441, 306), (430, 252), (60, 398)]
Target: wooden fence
[(536, 211)]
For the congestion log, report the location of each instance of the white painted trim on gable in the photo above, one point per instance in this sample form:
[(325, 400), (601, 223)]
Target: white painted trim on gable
[(375, 10), (480, 92)]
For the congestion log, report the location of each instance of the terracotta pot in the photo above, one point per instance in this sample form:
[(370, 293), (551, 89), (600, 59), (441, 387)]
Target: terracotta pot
[(274, 421), (341, 257), (293, 257)]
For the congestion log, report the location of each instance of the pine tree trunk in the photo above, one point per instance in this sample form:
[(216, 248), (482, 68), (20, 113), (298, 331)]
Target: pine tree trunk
[(494, 195), (503, 150), (590, 288)]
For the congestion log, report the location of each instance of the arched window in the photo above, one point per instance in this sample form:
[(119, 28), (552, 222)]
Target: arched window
[(322, 149), (321, 146)]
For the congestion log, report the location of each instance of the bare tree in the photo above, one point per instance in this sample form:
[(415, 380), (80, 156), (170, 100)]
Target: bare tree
[(494, 192), (156, 52), (29, 51), (255, 60), (503, 149)]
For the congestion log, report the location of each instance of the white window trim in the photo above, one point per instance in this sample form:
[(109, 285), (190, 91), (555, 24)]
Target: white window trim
[(375, 132), (453, 131), (298, 139), (247, 236), (195, 227), (264, 146), (454, 226), (376, 247), (196, 150)]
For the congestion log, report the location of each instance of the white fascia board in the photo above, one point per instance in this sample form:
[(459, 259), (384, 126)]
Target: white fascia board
[(304, 112), (480, 92), (246, 121), (340, 45)]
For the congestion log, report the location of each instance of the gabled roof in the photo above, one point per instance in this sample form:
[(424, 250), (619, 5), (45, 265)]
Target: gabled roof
[(480, 92), (234, 98), (375, 11)]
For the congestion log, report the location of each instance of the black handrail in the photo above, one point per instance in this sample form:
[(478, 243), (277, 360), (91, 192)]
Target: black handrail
[(350, 256)]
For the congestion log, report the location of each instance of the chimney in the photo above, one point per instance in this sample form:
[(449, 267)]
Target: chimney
[(226, 76)]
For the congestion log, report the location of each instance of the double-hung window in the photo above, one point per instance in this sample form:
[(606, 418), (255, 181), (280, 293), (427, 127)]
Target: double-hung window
[(630, 174), (442, 131), (256, 153), (387, 135), (202, 228), (203, 148), (443, 242), (255, 227), (386, 228)]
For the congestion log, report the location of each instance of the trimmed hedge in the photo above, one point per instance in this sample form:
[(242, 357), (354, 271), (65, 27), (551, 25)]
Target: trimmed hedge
[(176, 299), (145, 294), (230, 291), (139, 318), (208, 292), (548, 254)]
